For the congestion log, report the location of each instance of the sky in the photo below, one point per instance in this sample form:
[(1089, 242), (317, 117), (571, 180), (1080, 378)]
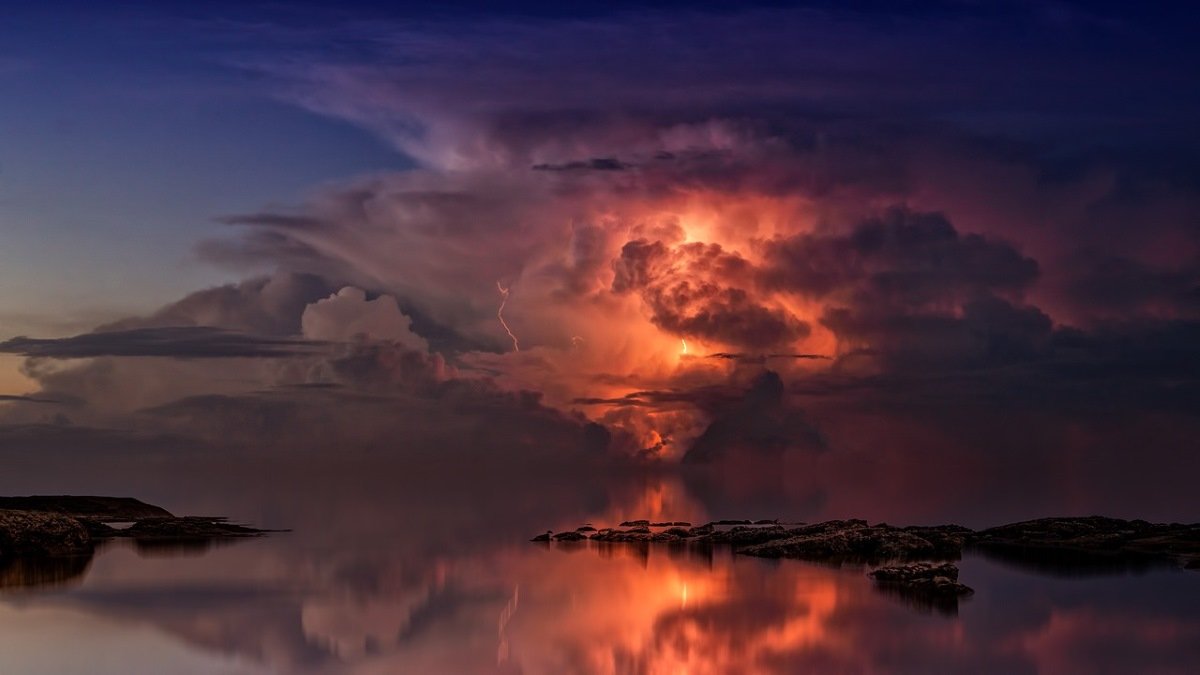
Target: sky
[(851, 240)]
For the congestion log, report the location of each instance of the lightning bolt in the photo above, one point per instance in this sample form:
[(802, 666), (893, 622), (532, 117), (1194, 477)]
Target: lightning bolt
[(500, 315)]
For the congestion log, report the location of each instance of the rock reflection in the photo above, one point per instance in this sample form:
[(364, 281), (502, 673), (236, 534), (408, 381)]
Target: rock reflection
[(35, 573), (382, 577), (1072, 563)]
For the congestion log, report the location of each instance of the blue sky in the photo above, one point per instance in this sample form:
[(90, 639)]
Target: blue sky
[(118, 148)]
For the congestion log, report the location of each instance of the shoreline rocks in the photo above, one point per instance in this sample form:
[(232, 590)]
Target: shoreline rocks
[(33, 534), (1046, 540), (63, 526), (922, 577), (856, 541), (1076, 544)]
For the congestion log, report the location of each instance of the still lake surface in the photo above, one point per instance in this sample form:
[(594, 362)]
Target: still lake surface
[(390, 569)]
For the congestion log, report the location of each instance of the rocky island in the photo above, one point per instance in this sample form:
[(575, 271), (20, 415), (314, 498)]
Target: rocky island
[(49, 539)]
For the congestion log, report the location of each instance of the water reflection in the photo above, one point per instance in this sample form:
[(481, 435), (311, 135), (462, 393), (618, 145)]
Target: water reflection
[(385, 574), (23, 573)]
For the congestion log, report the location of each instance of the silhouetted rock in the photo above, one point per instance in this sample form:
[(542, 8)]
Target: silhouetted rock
[(939, 578), (745, 535), (636, 523), (771, 521), (569, 536), (635, 534), (855, 540), (585, 528), (66, 525), (1073, 543), (926, 586), (700, 530), (53, 541), (681, 532), (107, 509), (25, 534), (678, 523), (542, 537)]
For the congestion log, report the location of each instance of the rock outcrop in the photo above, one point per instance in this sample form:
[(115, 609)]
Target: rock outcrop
[(923, 578), (923, 585), (51, 539), (856, 541), (33, 534), (104, 509), (1102, 543)]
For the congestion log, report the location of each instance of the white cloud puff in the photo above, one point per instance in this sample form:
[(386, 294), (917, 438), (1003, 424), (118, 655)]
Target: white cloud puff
[(348, 314)]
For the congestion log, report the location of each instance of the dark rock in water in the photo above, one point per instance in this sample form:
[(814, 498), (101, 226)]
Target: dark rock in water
[(53, 539), (745, 535), (856, 541), (636, 534), (772, 521), (927, 586), (187, 528), (570, 536), (106, 509), (677, 523), (542, 537), (939, 578), (29, 534), (1048, 544), (1075, 544)]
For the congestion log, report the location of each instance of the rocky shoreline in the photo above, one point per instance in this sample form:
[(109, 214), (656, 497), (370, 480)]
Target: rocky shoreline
[(912, 562), (53, 538)]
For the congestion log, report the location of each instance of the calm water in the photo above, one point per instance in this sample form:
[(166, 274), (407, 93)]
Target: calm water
[(394, 570)]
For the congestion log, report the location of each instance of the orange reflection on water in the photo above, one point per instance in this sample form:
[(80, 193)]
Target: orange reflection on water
[(657, 611)]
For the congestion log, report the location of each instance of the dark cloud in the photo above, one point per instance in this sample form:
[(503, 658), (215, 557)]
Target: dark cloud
[(903, 258), (183, 342), (1119, 286), (269, 306), (986, 331), (15, 398), (760, 422), (760, 358)]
